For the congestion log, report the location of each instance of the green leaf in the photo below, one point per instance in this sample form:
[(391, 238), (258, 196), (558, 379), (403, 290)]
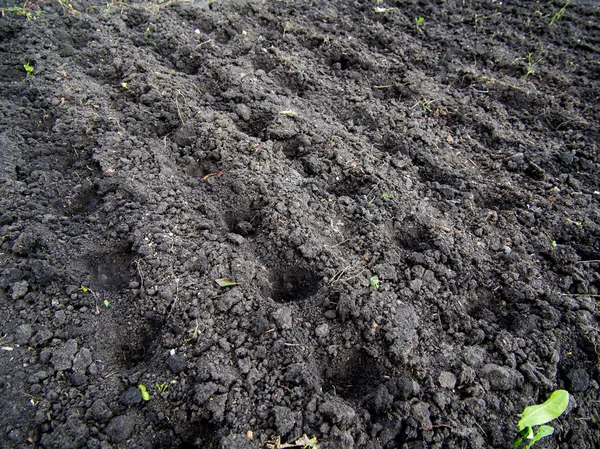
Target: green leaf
[(106, 303), (145, 394), (225, 282), (374, 282), (542, 413), (543, 431)]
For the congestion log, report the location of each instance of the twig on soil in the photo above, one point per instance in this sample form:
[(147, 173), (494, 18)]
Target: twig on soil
[(580, 295), (587, 261), (435, 426), (337, 277), (139, 270), (210, 175), (481, 428)]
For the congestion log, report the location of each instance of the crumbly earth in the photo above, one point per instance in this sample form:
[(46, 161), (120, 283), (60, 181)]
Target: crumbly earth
[(409, 210)]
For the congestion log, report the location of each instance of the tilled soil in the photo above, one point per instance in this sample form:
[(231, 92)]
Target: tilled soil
[(328, 218)]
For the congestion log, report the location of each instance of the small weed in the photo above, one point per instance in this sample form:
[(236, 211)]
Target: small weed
[(374, 282), (560, 13), (386, 196), (28, 68), (162, 387), (427, 105), (532, 63), (418, 22), (538, 415)]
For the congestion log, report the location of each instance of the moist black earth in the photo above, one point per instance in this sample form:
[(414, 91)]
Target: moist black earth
[(373, 223)]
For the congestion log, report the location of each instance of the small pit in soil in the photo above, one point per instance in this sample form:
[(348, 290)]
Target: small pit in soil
[(292, 284), (352, 374)]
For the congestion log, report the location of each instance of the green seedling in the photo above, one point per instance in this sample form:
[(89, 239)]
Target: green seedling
[(144, 392), (374, 282), (539, 415), (386, 196), (106, 303), (162, 387), (28, 68), (552, 242), (560, 13), (418, 22), (532, 63)]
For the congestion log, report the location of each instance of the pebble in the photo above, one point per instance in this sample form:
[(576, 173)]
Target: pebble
[(120, 428), (131, 396)]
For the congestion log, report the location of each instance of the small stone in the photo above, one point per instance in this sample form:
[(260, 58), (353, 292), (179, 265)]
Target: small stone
[(284, 420), (447, 380), (131, 396), (338, 411), (78, 379), (120, 428), (82, 360), (99, 411), (322, 331), (23, 334), (177, 363), (62, 356), (283, 318), (501, 377), (243, 112), (19, 289), (579, 380)]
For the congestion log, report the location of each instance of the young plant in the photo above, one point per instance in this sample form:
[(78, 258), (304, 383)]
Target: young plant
[(539, 415), (28, 68), (374, 282), (532, 63), (560, 13), (144, 392)]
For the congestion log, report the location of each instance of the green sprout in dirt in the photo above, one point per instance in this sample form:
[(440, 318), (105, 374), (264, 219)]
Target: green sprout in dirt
[(418, 22), (144, 392), (386, 196), (28, 68), (552, 241), (532, 63), (162, 387), (560, 13), (374, 282), (539, 415)]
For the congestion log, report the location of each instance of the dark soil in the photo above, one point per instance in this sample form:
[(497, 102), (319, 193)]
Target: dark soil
[(299, 148)]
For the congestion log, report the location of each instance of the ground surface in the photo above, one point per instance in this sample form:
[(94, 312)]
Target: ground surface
[(454, 158)]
